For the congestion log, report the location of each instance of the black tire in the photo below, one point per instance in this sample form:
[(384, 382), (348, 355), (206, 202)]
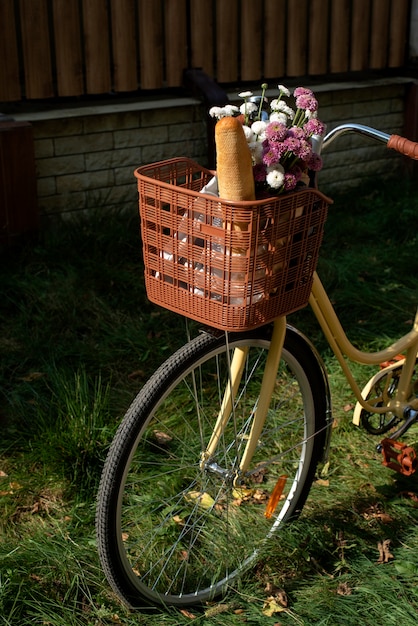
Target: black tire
[(172, 533)]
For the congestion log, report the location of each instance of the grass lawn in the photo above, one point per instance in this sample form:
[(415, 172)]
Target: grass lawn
[(78, 339)]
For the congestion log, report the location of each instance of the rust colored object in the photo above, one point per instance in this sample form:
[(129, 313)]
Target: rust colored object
[(399, 457), (275, 496), (396, 359), (226, 264), (404, 146)]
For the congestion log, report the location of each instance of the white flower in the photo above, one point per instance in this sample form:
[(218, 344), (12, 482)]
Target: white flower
[(256, 149), (231, 109), (245, 94), (247, 108), (248, 132), (284, 90), (275, 176), (311, 114), (259, 127), (281, 107), (278, 117), (216, 112)]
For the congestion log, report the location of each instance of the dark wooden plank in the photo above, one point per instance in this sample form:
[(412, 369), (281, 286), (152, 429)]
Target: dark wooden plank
[(68, 53), (150, 29), (297, 36), (125, 75), (318, 37), (18, 199), (251, 41), (274, 38), (339, 36), (36, 48), (201, 35), (96, 46), (399, 35), (175, 42), (9, 66), (379, 34), (360, 35), (227, 21)]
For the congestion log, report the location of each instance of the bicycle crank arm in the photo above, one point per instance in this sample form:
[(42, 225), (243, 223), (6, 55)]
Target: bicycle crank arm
[(410, 416)]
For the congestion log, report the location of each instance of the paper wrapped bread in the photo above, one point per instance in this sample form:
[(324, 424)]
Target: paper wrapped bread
[(233, 161)]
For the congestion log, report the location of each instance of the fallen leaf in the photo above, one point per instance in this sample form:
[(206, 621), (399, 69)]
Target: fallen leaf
[(204, 499), (32, 376), (348, 407), (384, 553), (162, 438), (272, 606), (344, 590), (187, 613), (323, 482), (216, 610), (410, 495), (136, 374)]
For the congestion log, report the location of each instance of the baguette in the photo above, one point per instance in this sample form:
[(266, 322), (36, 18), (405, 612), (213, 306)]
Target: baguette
[(233, 161)]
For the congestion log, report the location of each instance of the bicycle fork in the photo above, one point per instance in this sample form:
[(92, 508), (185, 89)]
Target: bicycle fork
[(260, 412)]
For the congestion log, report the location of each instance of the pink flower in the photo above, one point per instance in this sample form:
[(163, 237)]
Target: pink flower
[(304, 150), (290, 181), (314, 127), (276, 131), (292, 144), (307, 102), (315, 162), (296, 132), (302, 91), (271, 156), (259, 172)]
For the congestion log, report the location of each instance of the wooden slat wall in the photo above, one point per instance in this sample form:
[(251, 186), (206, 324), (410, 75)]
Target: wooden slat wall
[(122, 14), (339, 36), (201, 35), (67, 48), (9, 72), (274, 37), (175, 22), (37, 61), (96, 44)]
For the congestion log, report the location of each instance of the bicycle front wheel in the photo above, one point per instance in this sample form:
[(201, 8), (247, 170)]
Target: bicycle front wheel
[(173, 530)]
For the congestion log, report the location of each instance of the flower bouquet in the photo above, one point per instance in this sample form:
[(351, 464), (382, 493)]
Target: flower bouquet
[(283, 141)]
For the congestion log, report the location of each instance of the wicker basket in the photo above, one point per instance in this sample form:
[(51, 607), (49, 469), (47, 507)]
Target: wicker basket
[(229, 265)]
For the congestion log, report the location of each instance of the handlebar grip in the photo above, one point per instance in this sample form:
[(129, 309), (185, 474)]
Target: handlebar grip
[(404, 146)]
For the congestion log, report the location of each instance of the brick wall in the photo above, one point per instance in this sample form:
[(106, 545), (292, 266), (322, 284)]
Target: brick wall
[(351, 160), (87, 161), (85, 157)]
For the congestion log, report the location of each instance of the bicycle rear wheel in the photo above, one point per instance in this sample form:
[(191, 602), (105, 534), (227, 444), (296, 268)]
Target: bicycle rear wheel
[(174, 531)]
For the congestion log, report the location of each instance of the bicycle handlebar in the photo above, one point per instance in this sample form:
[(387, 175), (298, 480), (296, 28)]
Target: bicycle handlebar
[(404, 146), (395, 142)]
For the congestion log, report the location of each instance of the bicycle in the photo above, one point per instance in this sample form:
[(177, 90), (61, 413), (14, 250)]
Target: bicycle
[(230, 420)]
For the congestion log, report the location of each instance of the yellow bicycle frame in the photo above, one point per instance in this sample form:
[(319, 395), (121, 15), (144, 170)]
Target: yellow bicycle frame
[(343, 350)]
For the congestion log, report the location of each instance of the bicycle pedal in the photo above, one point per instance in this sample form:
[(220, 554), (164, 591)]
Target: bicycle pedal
[(398, 456), (396, 359)]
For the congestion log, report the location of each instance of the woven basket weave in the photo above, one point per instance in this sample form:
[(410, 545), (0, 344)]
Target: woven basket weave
[(229, 265)]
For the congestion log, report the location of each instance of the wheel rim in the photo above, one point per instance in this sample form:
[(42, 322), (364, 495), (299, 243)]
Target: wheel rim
[(185, 533)]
